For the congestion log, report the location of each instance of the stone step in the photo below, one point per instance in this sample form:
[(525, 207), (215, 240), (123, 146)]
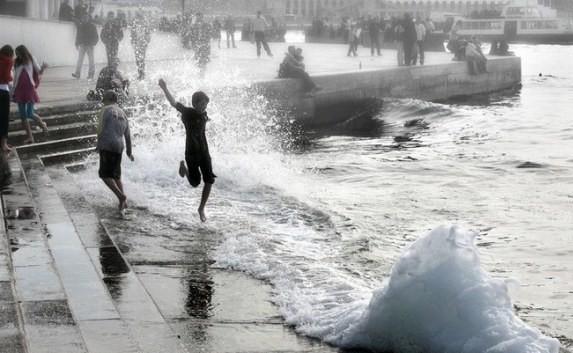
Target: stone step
[(59, 119), (54, 146), (66, 157), (58, 108), (46, 317), (11, 329), (90, 304), (136, 308), (17, 138)]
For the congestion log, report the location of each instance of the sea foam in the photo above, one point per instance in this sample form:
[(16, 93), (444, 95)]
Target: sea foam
[(439, 299)]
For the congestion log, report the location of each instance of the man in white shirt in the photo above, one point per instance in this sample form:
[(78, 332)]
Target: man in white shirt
[(420, 38), (259, 26)]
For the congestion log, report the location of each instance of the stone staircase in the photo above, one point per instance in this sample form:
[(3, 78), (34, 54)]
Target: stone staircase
[(69, 283), (56, 294)]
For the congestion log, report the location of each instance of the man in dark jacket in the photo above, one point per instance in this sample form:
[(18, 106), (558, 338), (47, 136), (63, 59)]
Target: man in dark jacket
[(86, 39), (111, 35), (409, 39), (80, 11), (374, 33), (66, 12)]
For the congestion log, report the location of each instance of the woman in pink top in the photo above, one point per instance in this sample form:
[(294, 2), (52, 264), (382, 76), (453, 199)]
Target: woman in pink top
[(27, 74)]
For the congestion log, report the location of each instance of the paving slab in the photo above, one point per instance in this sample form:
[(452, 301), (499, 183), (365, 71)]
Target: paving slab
[(138, 317), (106, 336), (50, 327)]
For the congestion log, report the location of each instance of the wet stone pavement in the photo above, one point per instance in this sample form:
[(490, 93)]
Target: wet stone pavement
[(75, 278)]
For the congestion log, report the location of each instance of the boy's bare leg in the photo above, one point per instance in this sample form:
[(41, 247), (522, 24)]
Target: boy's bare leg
[(183, 172), (122, 202), (113, 186), (204, 198)]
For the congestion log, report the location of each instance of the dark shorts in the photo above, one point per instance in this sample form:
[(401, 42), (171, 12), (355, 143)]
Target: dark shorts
[(109, 165), (197, 167)]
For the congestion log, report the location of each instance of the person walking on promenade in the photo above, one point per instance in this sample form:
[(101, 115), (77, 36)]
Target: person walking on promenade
[(140, 38), (66, 13), (409, 39), (197, 155), (111, 35), (399, 41), (27, 75), (259, 26), (354, 39), (112, 129), (201, 42), (420, 39), (217, 27), (80, 10), (86, 39), (230, 31), (374, 33), (6, 67)]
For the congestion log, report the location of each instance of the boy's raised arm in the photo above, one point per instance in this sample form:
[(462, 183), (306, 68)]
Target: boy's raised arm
[(168, 95)]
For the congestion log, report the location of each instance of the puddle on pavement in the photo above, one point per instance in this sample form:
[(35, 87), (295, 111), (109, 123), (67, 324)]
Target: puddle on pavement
[(21, 213)]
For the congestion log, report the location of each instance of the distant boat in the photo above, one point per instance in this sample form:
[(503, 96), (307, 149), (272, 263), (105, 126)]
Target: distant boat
[(518, 24)]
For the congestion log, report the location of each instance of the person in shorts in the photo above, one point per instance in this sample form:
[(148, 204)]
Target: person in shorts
[(197, 155), (112, 129)]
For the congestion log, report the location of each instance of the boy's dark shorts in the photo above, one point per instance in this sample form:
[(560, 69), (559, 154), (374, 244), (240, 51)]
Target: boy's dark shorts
[(109, 165), (197, 167)]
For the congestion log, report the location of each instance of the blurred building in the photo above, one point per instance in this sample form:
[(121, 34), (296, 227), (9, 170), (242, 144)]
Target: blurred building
[(308, 9), (41, 9)]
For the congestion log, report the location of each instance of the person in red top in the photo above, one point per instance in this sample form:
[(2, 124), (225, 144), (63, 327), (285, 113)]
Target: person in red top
[(6, 66), (27, 74)]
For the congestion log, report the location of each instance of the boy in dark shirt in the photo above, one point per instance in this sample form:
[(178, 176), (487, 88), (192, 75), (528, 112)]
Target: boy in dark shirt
[(196, 148)]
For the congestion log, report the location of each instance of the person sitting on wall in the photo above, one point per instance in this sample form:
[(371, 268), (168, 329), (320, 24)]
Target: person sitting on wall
[(475, 58), (110, 78), (499, 48), (293, 67), (455, 45)]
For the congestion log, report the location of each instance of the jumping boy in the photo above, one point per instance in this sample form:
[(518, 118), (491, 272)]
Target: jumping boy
[(112, 128), (196, 148)]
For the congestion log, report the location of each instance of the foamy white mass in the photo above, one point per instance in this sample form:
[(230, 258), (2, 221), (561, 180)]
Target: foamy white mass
[(439, 299)]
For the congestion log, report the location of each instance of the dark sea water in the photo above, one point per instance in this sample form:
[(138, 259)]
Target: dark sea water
[(326, 214)]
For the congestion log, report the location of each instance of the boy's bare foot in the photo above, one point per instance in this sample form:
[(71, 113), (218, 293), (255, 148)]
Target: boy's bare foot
[(182, 169), (202, 215), (43, 126)]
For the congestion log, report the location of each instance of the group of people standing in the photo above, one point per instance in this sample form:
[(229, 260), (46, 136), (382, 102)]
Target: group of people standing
[(20, 76), (112, 33), (408, 35)]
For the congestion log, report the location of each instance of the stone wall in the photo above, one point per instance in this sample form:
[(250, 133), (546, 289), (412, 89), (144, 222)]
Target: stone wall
[(431, 82)]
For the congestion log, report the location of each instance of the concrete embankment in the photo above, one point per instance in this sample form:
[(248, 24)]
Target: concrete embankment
[(432, 82)]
